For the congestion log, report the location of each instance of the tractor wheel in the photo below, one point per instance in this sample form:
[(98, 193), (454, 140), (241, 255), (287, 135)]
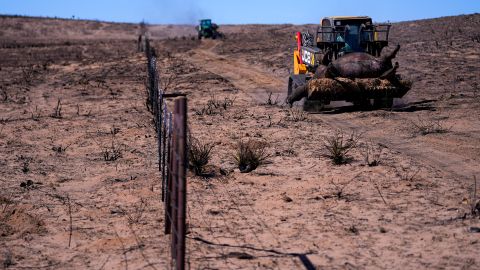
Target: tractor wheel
[(383, 103), (313, 106), (363, 104)]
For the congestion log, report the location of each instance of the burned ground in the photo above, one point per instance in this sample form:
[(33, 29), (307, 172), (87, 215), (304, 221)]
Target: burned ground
[(78, 160)]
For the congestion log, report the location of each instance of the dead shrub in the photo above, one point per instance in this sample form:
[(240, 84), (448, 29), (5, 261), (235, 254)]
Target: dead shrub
[(60, 149), (113, 152), (371, 154), (474, 201), (36, 114), (296, 115), (339, 145), (57, 113), (227, 102), (199, 154), (270, 101), (213, 102), (205, 110), (136, 215), (215, 106), (167, 81), (339, 188), (430, 126), (250, 154), (28, 74), (26, 166), (407, 174), (5, 95)]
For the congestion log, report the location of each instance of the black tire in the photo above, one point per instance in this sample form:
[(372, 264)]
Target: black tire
[(383, 103), (313, 105), (363, 104)]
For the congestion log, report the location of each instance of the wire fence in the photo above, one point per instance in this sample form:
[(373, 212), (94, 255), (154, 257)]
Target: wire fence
[(171, 127)]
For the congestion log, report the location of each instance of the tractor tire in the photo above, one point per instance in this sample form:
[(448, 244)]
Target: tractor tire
[(313, 106), (383, 103), (363, 104)]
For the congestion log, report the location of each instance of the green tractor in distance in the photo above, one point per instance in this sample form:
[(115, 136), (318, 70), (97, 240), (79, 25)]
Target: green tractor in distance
[(207, 29)]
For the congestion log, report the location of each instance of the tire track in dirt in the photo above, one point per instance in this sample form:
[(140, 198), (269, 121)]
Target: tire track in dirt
[(248, 78)]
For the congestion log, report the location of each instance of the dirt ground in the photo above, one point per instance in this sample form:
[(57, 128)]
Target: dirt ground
[(79, 164)]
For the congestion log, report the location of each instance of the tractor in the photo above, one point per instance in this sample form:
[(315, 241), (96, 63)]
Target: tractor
[(207, 29), (343, 60)]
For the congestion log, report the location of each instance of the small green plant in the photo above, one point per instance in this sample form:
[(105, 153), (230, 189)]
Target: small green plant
[(199, 155), (250, 154), (339, 145)]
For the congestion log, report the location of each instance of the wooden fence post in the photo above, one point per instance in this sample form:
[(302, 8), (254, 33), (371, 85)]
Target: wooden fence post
[(181, 181)]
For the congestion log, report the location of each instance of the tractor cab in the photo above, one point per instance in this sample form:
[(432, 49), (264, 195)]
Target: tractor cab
[(205, 24), (207, 29), (344, 34)]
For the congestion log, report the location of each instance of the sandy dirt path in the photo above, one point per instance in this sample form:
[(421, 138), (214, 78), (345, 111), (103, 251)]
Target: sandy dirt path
[(253, 80)]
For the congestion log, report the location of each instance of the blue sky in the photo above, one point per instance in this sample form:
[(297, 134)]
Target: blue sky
[(237, 11)]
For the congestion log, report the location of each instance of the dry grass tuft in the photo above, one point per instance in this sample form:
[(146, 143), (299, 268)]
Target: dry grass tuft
[(199, 154), (270, 101), (113, 152), (296, 115), (424, 126), (250, 154), (339, 145), (57, 113), (372, 155), (474, 200)]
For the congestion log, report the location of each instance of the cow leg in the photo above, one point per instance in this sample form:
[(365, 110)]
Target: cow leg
[(297, 94)]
